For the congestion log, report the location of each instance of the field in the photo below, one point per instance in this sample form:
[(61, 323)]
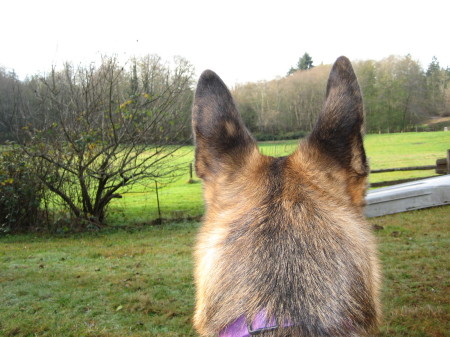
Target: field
[(139, 282), (181, 200)]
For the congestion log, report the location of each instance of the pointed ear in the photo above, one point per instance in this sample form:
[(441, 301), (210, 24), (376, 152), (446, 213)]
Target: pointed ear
[(339, 128), (222, 140)]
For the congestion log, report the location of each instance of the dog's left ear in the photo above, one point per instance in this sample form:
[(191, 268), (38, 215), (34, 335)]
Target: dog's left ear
[(340, 126), (222, 140)]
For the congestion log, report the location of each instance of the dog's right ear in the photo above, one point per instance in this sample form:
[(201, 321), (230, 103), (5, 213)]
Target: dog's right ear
[(222, 140)]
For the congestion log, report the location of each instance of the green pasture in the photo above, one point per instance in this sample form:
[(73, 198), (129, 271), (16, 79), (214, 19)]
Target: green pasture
[(138, 282), (181, 199)]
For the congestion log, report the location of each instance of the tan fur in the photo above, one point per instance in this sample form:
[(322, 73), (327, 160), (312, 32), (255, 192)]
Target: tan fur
[(288, 235)]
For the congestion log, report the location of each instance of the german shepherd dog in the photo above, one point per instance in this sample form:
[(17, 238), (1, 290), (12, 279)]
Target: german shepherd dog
[(284, 249)]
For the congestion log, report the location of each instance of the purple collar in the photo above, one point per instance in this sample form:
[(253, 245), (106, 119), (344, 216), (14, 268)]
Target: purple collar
[(239, 328), (260, 324)]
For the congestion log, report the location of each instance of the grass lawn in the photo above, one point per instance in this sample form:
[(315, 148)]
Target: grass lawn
[(180, 199), (139, 282), (120, 283)]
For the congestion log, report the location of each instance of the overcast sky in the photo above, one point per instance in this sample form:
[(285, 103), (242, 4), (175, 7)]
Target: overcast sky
[(240, 40)]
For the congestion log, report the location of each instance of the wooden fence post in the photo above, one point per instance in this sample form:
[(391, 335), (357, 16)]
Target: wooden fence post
[(448, 161), (443, 164), (157, 200)]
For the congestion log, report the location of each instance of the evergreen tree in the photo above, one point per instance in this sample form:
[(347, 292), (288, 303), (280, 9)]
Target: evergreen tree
[(434, 67), (291, 71), (134, 80), (305, 62)]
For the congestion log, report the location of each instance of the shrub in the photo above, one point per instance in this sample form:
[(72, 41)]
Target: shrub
[(20, 193)]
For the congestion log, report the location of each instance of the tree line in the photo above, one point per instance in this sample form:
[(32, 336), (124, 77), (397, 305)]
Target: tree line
[(398, 95)]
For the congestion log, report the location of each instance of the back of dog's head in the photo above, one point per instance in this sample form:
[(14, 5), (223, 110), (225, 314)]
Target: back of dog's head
[(285, 235)]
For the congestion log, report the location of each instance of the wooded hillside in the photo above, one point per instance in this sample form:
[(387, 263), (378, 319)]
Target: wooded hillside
[(398, 95)]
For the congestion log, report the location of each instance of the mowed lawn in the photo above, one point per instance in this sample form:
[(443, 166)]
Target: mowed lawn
[(181, 199), (139, 282)]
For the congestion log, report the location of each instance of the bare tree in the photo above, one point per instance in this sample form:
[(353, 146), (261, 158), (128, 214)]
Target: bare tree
[(284, 105), (97, 130)]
